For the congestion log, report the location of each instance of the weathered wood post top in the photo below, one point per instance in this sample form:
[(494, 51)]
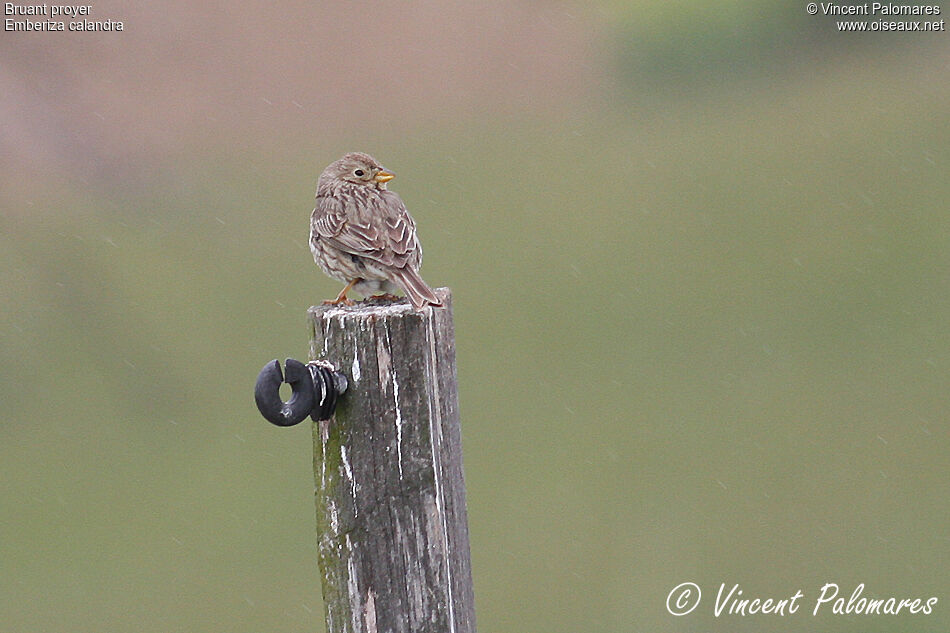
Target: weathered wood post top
[(390, 495)]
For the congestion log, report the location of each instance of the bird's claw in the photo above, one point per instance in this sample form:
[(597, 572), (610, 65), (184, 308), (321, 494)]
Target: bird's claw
[(335, 302), (342, 298)]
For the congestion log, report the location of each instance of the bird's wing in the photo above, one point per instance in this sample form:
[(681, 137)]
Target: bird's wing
[(382, 230)]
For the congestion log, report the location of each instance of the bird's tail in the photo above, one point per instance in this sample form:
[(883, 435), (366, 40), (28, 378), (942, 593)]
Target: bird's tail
[(419, 293)]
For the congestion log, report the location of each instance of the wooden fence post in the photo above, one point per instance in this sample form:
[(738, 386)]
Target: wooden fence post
[(391, 519)]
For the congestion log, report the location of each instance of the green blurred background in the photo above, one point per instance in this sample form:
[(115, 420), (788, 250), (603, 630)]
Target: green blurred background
[(700, 255)]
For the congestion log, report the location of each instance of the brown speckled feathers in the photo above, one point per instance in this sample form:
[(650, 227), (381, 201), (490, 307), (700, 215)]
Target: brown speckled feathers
[(362, 234)]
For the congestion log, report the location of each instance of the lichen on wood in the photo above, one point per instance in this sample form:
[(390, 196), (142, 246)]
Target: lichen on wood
[(390, 494)]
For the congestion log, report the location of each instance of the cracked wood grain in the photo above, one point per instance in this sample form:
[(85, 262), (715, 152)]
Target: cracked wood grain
[(390, 494)]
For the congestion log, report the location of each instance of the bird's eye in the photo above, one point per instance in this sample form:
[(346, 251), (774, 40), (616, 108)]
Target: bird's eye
[(358, 172)]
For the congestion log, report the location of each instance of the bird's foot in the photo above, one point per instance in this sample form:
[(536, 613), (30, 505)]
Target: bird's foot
[(342, 298), (338, 301), (386, 296)]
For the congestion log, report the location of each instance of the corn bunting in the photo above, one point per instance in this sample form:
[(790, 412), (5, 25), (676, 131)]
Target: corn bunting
[(362, 234)]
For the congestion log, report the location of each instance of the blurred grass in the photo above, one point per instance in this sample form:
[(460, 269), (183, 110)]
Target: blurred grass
[(705, 341), (679, 47)]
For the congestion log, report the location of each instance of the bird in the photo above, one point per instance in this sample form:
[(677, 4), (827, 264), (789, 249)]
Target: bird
[(362, 235)]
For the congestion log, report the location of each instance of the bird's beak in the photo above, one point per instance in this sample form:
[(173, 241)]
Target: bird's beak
[(384, 176)]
